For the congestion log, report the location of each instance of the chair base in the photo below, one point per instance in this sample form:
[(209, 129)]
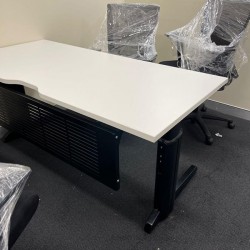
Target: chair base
[(199, 114)]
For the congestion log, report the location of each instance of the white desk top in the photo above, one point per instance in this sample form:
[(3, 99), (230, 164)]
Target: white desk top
[(141, 98)]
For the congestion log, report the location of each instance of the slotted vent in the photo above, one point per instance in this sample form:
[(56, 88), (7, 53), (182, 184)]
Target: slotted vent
[(86, 144)]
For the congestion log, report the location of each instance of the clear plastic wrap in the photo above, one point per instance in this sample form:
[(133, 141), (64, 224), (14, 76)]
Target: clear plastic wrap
[(12, 180), (212, 41), (129, 30)]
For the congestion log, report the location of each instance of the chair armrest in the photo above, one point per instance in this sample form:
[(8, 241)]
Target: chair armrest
[(206, 56)]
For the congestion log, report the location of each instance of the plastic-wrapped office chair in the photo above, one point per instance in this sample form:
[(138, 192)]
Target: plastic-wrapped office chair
[(15, 212), (212, 43), (129, 30)]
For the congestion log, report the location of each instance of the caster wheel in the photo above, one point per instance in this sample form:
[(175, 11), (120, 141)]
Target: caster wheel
[(209, 141), (231, 125)]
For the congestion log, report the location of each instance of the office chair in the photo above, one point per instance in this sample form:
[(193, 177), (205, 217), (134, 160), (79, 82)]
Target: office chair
[(15, 212), (131, 30), (211, 43)]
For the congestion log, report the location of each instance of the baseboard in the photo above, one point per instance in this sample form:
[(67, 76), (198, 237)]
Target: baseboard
[(229, 110)]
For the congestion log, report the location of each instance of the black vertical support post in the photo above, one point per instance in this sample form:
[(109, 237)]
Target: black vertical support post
[(166, 176)]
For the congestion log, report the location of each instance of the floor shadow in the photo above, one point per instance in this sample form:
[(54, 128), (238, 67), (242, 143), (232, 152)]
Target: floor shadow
[(135, 197)]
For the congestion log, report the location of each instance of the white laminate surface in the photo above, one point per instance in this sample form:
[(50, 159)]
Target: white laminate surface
[(141, 98)]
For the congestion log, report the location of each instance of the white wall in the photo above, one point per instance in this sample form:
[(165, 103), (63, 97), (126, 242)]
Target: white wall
[(76, 22)]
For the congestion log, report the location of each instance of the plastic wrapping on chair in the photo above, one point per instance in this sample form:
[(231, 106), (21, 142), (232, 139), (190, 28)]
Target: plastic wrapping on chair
[(212, 41), (129, 30), (12, 180)]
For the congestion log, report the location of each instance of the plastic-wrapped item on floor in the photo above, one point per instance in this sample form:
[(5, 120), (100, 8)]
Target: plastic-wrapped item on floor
[(129, 30), (212, 41), (12, 180)]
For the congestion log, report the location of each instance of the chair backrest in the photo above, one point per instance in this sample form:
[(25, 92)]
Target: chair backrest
[(211, 41), (232, 22), (131, 30)]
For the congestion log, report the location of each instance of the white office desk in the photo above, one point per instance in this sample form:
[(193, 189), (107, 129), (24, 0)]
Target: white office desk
[(145, 99), (141, 98)]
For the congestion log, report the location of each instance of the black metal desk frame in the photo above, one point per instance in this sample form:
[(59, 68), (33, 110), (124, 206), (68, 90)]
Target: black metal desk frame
[(90, 146)]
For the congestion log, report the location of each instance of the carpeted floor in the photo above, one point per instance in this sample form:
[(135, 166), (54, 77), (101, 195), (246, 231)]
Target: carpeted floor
[(76, 212)]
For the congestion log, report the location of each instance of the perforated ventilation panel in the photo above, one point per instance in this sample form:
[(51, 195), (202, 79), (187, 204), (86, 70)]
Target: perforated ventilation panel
[(86, 144)]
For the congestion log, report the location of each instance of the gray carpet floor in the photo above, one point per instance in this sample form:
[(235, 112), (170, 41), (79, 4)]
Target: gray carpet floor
[(76, 212)]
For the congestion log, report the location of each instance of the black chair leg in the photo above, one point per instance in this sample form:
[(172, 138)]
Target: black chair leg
[(230, 123), (22, 214), (208, 136), (196, 117), (199, 114)]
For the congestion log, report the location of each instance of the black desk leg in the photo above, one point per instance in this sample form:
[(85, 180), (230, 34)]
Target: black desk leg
[(167, 188), (6, 135)]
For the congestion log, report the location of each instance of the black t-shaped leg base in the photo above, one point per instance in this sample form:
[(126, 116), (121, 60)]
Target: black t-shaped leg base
[(167, 188)]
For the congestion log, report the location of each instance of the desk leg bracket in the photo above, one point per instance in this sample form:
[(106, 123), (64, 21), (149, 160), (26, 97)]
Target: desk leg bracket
[(6, 135), (167, 188)]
